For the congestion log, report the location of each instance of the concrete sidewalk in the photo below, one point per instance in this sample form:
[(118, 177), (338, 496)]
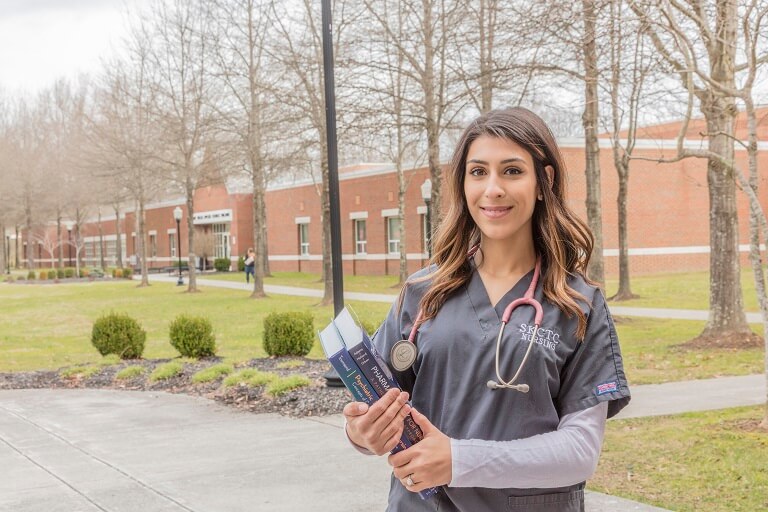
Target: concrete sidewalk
[(90, 450)]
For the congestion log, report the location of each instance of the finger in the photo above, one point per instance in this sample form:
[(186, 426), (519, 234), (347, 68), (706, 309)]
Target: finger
[(382, 404), (422, 421), (391, 412), (354, 409), (393, 441)]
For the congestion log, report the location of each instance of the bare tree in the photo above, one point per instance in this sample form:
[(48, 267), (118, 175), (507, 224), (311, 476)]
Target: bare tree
[(428, 53), (300, 54), (699, 43), (180, 57), (630, 66), (241, 44)]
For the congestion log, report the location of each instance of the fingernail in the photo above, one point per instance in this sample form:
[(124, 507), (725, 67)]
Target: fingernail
[(362, 407)]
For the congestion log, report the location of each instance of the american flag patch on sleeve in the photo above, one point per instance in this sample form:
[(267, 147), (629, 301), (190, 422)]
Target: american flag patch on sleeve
[(606, 387)]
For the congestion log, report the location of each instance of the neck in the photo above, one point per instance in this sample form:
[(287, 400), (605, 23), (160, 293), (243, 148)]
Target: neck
[(502, 258)]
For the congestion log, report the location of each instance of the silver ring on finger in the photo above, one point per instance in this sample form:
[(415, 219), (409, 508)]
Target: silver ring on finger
[(409, 480)]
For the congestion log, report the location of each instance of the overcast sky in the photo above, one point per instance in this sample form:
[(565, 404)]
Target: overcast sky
[(42, 40)]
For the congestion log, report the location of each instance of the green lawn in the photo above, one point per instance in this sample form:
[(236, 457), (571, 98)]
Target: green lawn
[(49, 326), (676, 291), (713, 461)]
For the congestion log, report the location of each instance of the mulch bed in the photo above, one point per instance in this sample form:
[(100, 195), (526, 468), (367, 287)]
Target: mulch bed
[(315, 400), (744, 340)]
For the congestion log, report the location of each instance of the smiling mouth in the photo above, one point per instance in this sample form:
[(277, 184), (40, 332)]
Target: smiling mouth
[(494, 212)]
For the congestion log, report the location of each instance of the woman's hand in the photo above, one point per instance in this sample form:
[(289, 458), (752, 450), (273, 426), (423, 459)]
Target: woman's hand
[(378, 428), (428, 462)]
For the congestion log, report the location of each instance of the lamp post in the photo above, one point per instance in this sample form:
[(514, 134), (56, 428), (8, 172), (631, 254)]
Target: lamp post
[(426, 195), (7, 254), (69, 240), (177, 216)]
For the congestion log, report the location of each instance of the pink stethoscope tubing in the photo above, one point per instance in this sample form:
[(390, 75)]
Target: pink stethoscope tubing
[(526, 300)]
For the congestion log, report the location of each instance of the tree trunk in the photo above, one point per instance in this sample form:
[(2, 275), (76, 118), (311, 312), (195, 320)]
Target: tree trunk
[(4, 264), (403, 273), (726, 304), (622, 168), (264, 240), (590, 118), (192, 274), (119, 246), (141, 241), (16, 248), (101, 243), (58, 239)]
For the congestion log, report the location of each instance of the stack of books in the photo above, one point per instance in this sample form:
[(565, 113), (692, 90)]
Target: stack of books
[(364, 373)]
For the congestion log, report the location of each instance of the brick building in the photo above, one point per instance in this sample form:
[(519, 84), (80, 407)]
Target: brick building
[(668, 215)]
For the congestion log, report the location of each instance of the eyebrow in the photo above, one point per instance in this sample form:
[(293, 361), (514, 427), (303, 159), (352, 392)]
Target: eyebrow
[(505, 161)]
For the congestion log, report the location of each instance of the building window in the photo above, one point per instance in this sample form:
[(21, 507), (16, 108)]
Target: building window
[(220, 240), (393, 235), (172, 244), (304, 239), (361, 239), (152, 246)]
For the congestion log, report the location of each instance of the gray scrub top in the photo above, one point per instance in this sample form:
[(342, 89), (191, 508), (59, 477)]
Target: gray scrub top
[(457, 351)]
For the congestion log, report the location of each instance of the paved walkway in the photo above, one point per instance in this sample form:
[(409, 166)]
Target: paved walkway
[(121, 451)]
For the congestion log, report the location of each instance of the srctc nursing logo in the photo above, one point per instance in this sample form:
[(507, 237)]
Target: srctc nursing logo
[(547, 338)]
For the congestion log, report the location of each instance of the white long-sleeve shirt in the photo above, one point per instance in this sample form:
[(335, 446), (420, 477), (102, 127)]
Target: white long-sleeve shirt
[(564, 457)]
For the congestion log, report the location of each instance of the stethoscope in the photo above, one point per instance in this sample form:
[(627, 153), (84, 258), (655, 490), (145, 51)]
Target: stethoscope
[(404, 352)]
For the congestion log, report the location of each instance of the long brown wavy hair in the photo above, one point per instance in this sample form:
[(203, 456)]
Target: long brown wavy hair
[(562, 240)]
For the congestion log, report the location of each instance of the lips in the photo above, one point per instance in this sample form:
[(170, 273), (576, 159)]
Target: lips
[(495, 212)]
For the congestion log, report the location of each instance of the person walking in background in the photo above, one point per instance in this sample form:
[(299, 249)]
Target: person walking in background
[(509, 251), (250, 261)]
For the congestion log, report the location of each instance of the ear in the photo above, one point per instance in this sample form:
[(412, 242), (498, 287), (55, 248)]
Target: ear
[(550, 172)]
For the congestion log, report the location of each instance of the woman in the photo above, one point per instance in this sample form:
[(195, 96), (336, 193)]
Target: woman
[(506, 431), (250, 265)]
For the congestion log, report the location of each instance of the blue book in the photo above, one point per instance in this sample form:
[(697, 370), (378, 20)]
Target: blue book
[(349, 372), (377, 373)]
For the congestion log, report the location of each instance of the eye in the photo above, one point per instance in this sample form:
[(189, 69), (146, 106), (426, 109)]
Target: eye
[(476, 171), (513, 170)]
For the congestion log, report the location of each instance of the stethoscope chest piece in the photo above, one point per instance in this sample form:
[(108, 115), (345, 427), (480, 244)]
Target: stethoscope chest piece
[(403, 355)]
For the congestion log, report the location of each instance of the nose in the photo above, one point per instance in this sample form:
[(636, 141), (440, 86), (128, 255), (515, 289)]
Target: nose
[(493, 188)]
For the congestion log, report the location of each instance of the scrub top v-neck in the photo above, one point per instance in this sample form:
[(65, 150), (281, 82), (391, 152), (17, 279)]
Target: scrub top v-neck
[(457, 358)]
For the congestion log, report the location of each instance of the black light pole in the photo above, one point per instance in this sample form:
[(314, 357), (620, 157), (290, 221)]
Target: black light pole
[(69, 239), (331, 377), (177, 216), (426, 195)]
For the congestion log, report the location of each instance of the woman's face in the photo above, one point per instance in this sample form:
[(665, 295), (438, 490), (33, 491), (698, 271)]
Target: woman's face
[(500, 188)]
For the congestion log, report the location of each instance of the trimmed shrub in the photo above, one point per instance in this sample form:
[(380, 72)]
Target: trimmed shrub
[(193, 336), (127, 272), (31, 274), (59, 273), (118, 334), (222, 264), (117, 273), (84, 272), (69, 272), (288, 334), (43, 275), (21, 278), (241, 264)]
